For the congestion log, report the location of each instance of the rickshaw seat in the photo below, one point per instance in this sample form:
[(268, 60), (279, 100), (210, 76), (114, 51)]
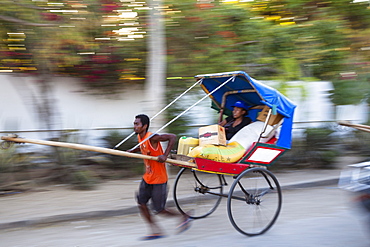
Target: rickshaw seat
[(251, 133)]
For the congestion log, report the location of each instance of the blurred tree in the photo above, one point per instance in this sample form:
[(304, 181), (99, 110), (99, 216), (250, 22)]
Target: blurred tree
[(277, 39), (327, 40), (95, 40), (20, 31), (261, 37), (211, 37), (102, 41), (91, 39)]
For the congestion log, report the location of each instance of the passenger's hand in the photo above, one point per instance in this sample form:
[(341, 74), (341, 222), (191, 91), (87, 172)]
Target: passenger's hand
[(162, 158)]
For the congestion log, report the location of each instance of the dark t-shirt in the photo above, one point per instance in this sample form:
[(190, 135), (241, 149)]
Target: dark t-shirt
[(230, 130)]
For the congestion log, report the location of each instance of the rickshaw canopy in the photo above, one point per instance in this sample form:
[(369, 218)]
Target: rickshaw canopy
[(252, 93)]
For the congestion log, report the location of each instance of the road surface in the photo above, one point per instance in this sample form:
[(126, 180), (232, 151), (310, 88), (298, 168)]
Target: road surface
[(321, 216)]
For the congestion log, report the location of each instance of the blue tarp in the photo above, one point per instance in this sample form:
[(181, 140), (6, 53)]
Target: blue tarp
[(263, 95)]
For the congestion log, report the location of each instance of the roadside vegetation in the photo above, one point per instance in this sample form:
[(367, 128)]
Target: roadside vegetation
[(104, 44)]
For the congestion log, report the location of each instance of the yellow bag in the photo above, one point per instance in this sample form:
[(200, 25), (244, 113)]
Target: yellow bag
[(227, 154)]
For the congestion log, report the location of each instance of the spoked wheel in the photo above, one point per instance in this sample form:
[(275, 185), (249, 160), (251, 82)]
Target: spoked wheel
[(197, 193), (254, 201)]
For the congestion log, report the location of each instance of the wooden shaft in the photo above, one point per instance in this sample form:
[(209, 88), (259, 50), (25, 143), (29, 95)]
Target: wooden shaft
[(95, 149), (356, 126), (363, 129)]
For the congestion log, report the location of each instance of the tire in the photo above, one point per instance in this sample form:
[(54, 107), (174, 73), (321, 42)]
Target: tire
[(196, 193), (254, 201)]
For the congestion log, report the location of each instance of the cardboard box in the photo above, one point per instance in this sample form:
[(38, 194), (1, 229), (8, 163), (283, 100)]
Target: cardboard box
[(212, 134), (274, 119)]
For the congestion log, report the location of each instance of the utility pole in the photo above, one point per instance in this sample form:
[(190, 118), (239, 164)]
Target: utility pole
[(155, 86)]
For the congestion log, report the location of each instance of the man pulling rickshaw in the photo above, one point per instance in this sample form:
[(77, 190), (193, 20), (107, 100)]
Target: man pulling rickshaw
[(255, 195)]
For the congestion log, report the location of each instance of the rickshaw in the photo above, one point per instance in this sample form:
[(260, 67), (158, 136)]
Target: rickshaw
[(254, 199)]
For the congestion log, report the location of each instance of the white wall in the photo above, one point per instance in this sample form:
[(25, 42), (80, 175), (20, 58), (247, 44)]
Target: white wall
[(75, 109), (15, 113), (314, 105)]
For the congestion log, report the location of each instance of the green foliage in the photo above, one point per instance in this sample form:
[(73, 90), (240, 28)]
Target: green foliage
[(7, 159), (64, 38), (14, 158), (83, 180), (210, 40), (358, 142), (131, 166), (349, 91), (291, 68), (317, 150), (67, 156), (356, 13), (278, 39), (288, 44), (320, 147), (317, 138), (14, 164)]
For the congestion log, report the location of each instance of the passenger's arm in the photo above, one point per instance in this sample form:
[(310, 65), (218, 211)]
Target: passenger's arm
[(222, 123)]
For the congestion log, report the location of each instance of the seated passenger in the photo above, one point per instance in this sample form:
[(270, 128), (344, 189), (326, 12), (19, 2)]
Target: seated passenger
[(237, 121)]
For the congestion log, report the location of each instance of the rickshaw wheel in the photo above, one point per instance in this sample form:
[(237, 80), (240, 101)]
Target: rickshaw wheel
[(254, 201), (196, 193)]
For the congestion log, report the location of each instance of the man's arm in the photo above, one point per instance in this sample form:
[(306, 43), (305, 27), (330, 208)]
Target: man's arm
[(170, 138)]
